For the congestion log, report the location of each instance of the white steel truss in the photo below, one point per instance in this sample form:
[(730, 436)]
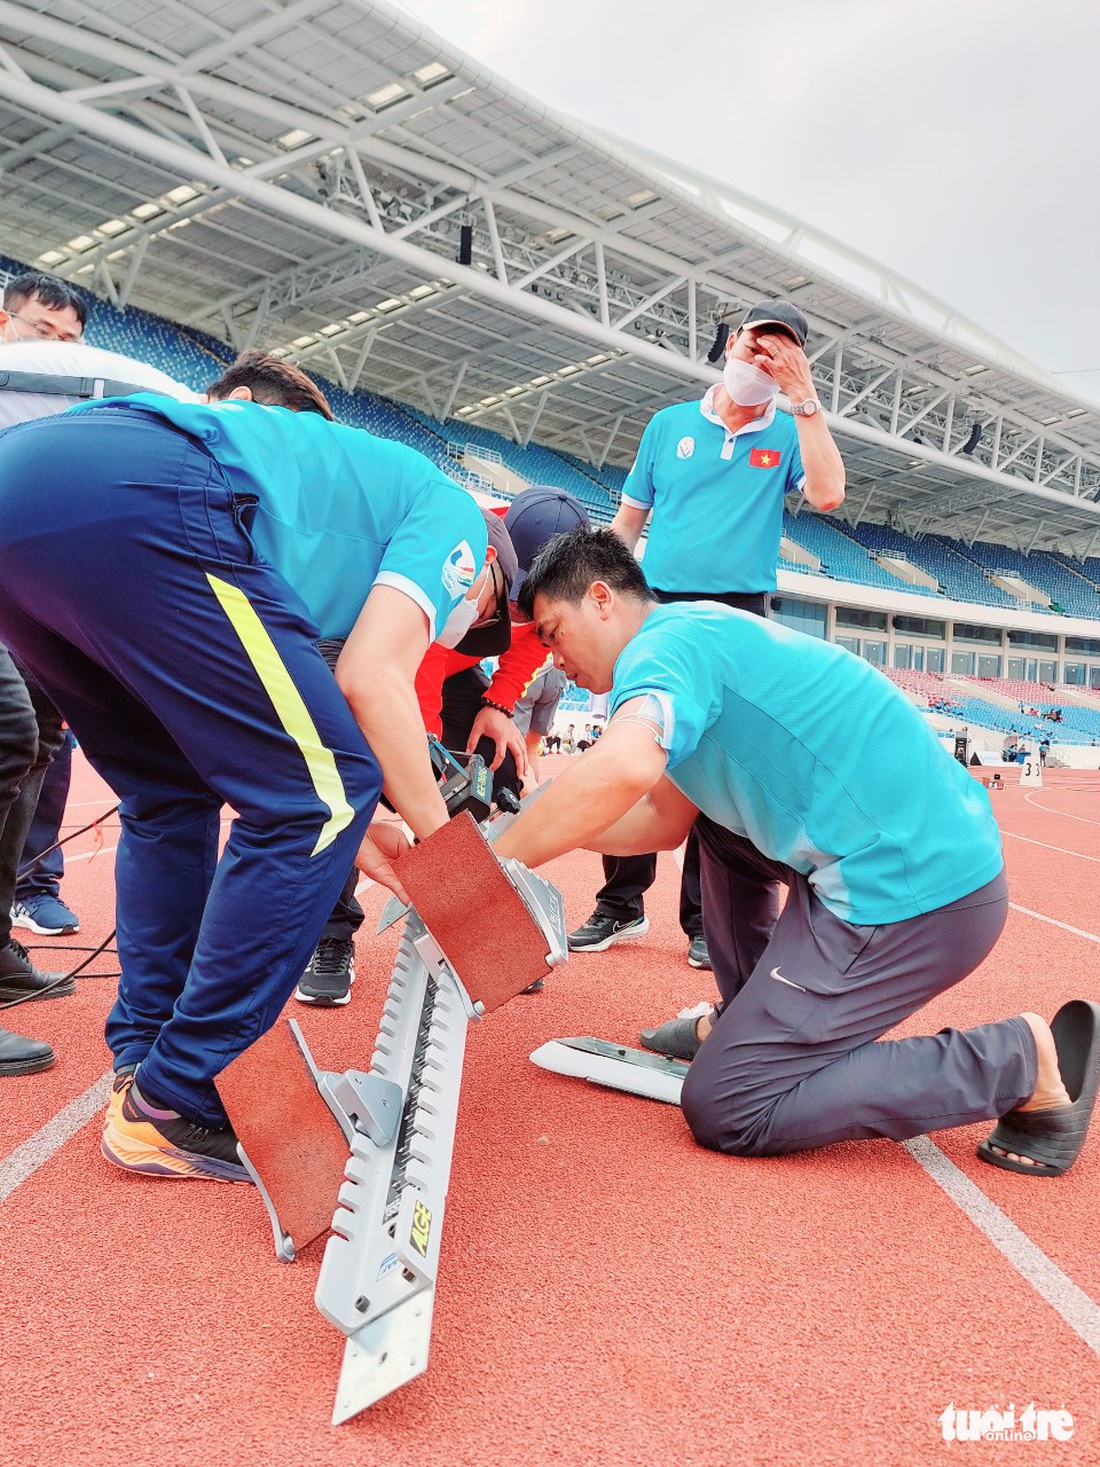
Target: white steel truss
[(309, 175)]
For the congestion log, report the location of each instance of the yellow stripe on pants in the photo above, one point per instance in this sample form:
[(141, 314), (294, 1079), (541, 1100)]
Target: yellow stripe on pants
[(289, 706)]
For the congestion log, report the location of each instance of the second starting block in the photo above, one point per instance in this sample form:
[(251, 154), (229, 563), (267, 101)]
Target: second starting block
[(616, 1066), (385, 1200)]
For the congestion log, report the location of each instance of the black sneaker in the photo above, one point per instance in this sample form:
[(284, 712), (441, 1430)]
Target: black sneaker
[(20, 979), (600, 931), (329, 975), (161, 1143), (698, 952)]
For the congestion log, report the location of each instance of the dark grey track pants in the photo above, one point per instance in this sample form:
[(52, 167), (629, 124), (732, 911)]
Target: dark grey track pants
[(791, 1063)]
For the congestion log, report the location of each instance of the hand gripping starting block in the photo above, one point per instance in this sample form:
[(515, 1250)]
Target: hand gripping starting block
[(296, 1123)]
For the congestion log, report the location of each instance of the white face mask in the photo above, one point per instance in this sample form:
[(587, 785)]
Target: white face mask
[(746, 384), (459, 622)]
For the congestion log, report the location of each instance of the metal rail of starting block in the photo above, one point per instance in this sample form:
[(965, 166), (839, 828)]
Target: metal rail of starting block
[(378, 1274)]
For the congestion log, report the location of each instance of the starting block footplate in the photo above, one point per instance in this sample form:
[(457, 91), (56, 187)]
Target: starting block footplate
[(615, 1066)]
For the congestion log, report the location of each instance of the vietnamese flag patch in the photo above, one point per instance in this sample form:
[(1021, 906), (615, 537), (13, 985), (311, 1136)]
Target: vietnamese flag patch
[(764, 458)]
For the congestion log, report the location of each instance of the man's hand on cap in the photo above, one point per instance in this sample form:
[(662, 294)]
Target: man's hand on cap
[(785, 360)]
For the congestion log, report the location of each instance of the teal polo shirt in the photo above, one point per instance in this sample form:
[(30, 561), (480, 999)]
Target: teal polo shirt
[(716, 497), (339, 510), (815, 757)]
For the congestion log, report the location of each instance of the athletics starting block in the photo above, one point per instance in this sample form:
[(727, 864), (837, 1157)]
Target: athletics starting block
[(479, 931), (653, 1076)]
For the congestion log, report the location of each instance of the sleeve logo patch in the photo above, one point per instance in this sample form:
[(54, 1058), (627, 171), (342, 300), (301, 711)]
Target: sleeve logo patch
[(459, 569), (764, 458), (421, 1228), (685, 448)]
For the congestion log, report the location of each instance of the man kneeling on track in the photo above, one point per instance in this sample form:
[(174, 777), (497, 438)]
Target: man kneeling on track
[(802, 765), (195, 555)]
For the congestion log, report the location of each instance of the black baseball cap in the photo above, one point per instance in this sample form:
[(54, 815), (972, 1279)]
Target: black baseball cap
[(782, 314), (535, 516)]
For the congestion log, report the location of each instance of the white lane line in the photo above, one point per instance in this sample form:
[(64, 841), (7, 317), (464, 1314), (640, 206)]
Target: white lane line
[(25, 1160), (1064, 813), (1078, 1310), (1048, 847), (89, 855), (1039, 917)]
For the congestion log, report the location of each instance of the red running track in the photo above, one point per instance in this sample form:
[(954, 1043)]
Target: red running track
[(609, 1293)]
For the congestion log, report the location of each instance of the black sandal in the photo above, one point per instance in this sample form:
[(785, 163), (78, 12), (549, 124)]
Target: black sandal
[(1054, 1137), (677, 1038)]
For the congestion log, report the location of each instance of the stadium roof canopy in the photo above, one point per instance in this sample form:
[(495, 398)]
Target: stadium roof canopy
[(302, 174)]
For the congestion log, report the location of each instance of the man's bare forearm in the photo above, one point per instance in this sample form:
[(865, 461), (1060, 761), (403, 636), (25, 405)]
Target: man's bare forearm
[(660, 821), (579, 805), (823, 465), (391, 722)]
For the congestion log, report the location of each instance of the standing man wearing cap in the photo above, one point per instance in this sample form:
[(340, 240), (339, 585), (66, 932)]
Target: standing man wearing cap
[(460, 705), (713, 475)]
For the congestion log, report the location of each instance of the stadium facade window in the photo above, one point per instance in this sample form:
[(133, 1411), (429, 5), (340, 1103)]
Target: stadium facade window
[(963, 663), (850, 644), (965, 631), (1048, 672), (989, 664), (857, 616), (809, 617), (920, 626), (903, 655), (1074, 673), (934, 659), (1094, 677), (874, 651), (1089, 645), (1017, 668), (1041, 641)]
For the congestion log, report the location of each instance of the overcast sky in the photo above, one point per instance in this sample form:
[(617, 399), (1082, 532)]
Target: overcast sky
[(953, 140)]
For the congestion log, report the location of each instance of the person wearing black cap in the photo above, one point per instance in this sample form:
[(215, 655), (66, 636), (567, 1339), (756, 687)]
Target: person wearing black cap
[(713, 475)]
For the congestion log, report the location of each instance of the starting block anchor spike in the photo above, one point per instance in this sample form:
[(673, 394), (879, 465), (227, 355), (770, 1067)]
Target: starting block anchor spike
[(284, 1243)]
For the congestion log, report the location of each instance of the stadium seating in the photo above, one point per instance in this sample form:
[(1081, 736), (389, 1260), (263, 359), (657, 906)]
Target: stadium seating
[(842, 557), (847, 553), (1079, 593)]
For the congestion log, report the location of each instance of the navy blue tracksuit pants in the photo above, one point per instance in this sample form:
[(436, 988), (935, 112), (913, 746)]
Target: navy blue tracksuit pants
[(188, 670)]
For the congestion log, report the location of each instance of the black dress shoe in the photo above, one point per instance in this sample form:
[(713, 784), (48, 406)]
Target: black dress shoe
[(21, 1056), (19, 978)]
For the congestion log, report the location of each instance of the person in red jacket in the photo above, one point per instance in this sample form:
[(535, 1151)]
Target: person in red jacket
[(464, 707)]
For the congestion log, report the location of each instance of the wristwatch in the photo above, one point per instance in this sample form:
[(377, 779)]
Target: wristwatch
[(806, 409)]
